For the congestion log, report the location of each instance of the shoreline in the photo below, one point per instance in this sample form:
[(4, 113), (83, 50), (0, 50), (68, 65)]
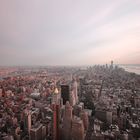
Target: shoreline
[(133, 69)]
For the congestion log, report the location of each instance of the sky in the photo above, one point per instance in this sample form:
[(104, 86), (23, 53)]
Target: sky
[(69, 32)]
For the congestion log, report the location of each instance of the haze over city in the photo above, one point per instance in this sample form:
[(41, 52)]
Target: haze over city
[(70, 32), (70, 70)]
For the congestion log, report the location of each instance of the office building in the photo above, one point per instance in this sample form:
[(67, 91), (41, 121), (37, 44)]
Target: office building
[(77, 129), (65, 93), (36, 132), (56, 118)]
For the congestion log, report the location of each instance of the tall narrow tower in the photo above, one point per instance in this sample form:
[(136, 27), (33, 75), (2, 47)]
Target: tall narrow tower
[(27, 120), (56, 114), (111, 66), (56, 97), (56, 111), (67, 121), (75, 90)]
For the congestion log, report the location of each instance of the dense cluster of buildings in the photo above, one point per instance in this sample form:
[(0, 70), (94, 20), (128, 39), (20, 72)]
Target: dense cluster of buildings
[(67, 103)]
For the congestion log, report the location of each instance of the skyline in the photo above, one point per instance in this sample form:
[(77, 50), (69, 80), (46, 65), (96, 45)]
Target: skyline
[(69, 32)]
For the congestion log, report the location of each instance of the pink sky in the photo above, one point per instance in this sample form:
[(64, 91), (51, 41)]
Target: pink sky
[(69, 32)]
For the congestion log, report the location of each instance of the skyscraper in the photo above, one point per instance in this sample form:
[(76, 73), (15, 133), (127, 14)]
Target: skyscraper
[(75, 90), (77, 129), (65, 93), (72, 98), (67, 119), (36, 132), (27, 120), (56, 97), (56, 114), (84, 117), (111, 66)]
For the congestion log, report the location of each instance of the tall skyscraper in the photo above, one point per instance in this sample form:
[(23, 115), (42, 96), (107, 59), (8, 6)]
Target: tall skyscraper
[(72, 98), (111, 66), (56, 114), (56, 97), (67, 119), (84, 117), (27, 120), (77, 129), (75, 90), (65, 93)]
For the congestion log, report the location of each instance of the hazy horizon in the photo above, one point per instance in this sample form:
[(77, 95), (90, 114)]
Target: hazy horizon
[(42, 33)]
